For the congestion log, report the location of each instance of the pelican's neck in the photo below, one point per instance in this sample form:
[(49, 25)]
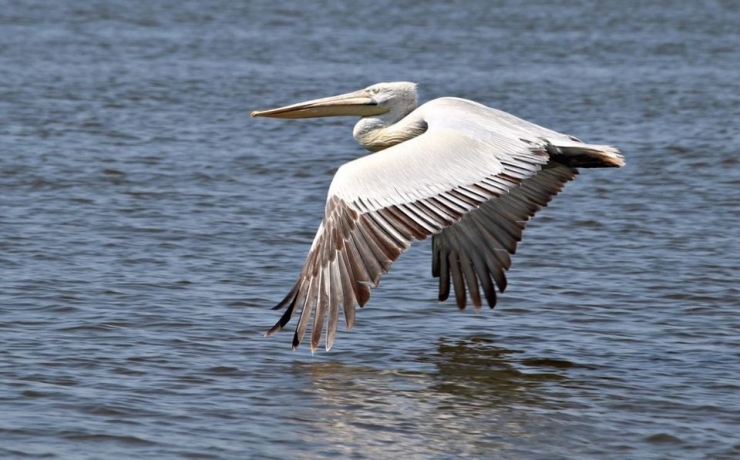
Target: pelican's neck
[(383, 131)]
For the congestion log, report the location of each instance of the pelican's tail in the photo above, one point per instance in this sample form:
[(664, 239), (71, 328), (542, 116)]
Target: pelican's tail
[(579, 155)]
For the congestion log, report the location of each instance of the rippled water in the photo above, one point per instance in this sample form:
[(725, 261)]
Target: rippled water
[(147, 224)]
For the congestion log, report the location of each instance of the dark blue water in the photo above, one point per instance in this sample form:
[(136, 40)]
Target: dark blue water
[(147, 224)]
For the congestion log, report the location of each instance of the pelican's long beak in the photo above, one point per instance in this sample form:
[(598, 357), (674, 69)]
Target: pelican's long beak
[(358, 103)]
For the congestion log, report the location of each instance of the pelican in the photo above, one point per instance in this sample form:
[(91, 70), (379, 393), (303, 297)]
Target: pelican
[(468, 175)]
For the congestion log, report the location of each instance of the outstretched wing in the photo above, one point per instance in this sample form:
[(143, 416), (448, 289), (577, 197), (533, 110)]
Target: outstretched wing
[(477, 250), (378, 204)]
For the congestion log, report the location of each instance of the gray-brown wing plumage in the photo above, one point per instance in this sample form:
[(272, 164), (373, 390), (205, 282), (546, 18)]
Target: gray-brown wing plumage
[(352, 250), (477, 251), (355, 246)]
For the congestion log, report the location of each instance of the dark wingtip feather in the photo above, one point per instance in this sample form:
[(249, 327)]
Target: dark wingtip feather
[(279, 325), (444, 288), (457, 281), (363, 294), (471, 280), (490, 297), (273, 329), (442, 271), (288, 299), (435, 256), (285, 319), (296, 341)]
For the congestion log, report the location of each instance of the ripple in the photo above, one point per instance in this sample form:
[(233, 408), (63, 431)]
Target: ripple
[(106, 438), (663, 438)]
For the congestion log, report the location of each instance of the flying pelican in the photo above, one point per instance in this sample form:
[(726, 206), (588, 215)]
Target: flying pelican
[(466, 174)]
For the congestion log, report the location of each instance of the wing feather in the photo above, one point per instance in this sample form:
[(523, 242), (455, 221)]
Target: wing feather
[(321, 307), (335, 299), (349, 299), (308, 306), (485, 239), (411, 226), (394, 240)]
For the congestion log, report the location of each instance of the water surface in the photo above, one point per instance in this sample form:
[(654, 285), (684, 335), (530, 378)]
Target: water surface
[(147, 224)]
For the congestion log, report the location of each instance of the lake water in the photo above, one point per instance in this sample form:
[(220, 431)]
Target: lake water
[(147, 225)]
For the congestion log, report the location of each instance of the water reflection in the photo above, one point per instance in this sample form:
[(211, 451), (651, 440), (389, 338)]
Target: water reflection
[(476, 369), (470, 397)]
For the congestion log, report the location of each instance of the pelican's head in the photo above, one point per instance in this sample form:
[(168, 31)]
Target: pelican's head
[(399, 98)]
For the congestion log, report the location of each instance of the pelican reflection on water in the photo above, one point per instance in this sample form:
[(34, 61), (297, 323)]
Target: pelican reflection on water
[(468, 175)]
